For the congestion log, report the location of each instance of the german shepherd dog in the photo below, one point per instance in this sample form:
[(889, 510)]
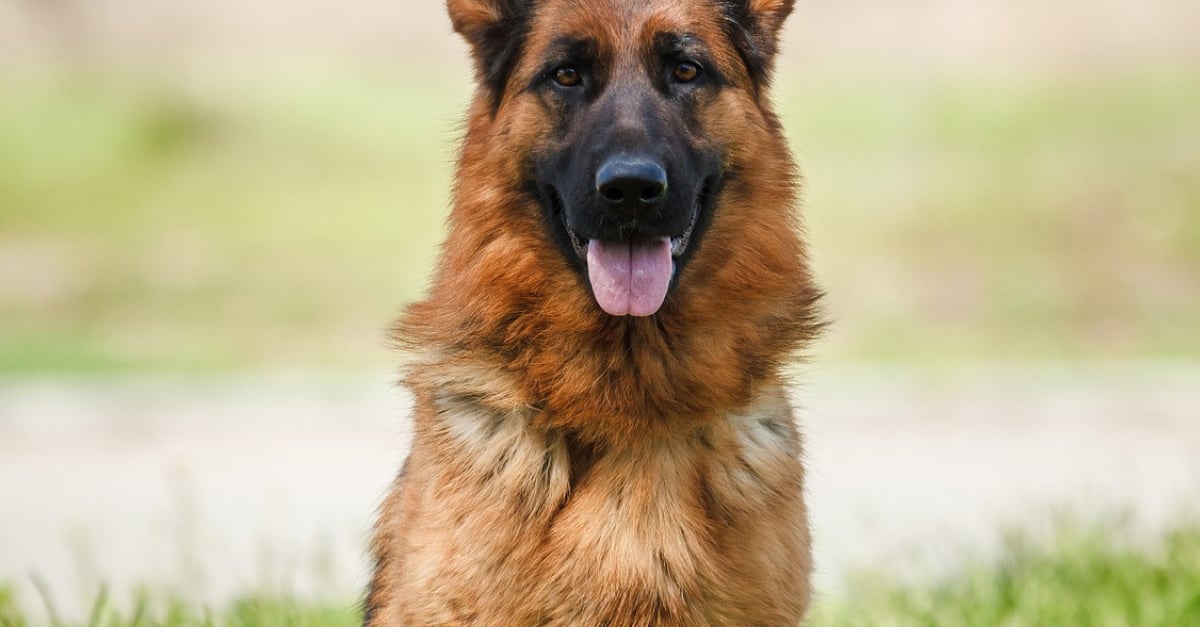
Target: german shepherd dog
[(601, 431)]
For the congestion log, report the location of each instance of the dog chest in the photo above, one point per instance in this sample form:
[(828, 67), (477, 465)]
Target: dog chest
[(657, 531)]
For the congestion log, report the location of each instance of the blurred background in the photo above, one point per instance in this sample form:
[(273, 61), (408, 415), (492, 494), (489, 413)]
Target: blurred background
[(210, 213)]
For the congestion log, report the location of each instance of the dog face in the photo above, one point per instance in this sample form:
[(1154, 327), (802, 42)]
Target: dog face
[(631, 118)]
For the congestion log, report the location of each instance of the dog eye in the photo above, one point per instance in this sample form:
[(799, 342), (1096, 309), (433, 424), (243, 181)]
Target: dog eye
[(566, 76), (686, 72)]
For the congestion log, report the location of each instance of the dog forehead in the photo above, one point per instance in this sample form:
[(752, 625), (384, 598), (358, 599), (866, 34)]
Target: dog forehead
[(623, 32), (615, 25)]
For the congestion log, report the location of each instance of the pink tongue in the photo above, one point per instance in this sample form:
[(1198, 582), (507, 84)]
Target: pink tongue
[(630, 278)]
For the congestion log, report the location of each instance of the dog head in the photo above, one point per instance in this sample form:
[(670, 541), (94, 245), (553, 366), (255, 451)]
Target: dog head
[(631, 125)]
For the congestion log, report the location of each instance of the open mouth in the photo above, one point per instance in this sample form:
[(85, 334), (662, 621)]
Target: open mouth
[(632, 275), (678, 244)]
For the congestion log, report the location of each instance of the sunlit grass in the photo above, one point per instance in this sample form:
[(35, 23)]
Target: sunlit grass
[(149, 228), (1080, 575), (1008, 218), (224, 222), (155, 612)]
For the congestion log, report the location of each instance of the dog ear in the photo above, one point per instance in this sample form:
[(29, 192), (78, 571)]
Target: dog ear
[(495, 30), (754, 28)]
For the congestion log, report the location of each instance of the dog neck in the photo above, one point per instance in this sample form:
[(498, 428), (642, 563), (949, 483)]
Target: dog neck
[(606, 382), (504, 443)]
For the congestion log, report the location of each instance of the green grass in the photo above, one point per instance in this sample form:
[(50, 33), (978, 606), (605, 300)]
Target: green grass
[(147, 612), (148, 223), (1080, 575), (144, 227), (1007, 218), (1083, 576)]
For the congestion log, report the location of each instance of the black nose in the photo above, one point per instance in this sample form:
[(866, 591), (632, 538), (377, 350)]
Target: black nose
[(631, 186)]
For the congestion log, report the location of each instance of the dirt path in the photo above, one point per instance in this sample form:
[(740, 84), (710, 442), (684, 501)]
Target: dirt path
[(232, 485)]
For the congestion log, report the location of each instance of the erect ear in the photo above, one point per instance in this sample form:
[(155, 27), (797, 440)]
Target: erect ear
[(496, 30), (754, 28)]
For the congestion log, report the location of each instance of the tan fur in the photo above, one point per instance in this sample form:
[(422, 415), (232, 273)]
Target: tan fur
[(572, 468)]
